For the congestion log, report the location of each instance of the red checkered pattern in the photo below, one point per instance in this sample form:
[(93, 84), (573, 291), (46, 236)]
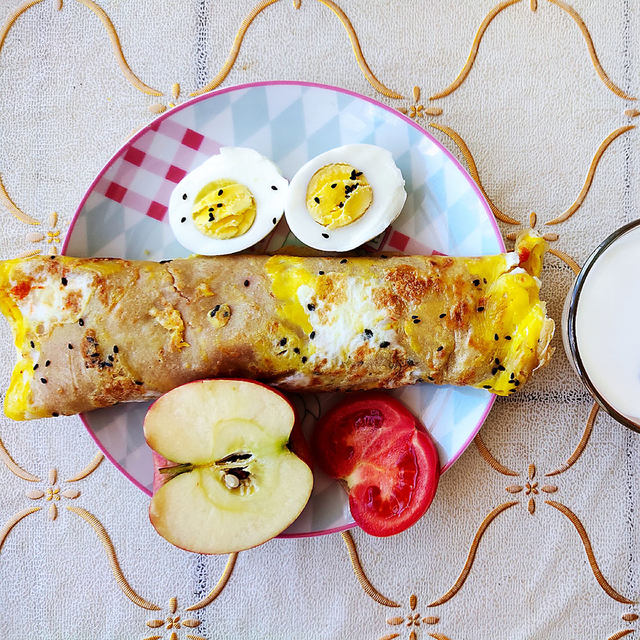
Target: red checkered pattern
[(403, 243), (138, 164)]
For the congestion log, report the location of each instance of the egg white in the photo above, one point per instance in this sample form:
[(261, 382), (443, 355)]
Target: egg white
[(389, 196), (244, 166)]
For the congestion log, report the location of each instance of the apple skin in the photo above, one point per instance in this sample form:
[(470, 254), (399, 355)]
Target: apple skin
[(160, 462), (295, 493)]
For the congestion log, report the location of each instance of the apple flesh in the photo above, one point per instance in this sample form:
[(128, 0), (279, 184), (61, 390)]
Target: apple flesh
[(234, 482)]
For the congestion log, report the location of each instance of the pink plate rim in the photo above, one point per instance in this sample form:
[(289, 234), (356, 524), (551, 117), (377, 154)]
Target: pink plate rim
[(296, 83)]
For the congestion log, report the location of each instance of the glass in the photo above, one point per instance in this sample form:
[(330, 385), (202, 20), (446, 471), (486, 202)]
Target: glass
[(569, 327)]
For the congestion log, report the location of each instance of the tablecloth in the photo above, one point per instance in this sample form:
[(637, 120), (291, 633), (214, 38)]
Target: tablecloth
[(533, 533)]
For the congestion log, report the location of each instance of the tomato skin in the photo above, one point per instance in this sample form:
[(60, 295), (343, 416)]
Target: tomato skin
[(388, 460)]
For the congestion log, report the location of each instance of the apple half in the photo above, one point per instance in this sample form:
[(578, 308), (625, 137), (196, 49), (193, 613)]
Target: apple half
[(234, 481)]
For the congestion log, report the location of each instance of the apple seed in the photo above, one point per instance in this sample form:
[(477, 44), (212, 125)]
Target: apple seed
[(232, 481)]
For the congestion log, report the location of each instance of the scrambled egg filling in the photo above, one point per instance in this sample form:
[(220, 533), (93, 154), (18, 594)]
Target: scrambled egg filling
[(224, 209), (337, 195), (514, 316), (319, 322)]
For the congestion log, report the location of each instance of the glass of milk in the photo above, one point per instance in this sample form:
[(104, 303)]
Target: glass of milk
[(601, 325)]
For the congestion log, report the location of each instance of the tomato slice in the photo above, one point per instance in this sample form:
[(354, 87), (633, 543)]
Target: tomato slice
[(387, 459)]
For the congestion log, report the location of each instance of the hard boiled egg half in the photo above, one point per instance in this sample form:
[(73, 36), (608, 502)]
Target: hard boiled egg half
[(344, 197), (228, 203)]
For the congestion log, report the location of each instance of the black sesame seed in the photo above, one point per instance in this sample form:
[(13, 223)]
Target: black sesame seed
[(431, 378), (91, 339), (494, 371), (312, 335), (225, 314), (219, 205), (358, 174), (325, 235), (64, 282), (497, 360), (486, 386), (115, 348), (184, 196), (517, 383), (496, 336), (501, 368), (215, 310), (274, 221), (416, 321), (341, 204), (476, 283), (110, 358), (165, 261), (211, 218), (35, 366), (43, 380), (70, 346), (316, 200), (246, 283), (304, 359), (210, 209), (283, 341), (273, 186), (480, 308), (410, 363), (353, 175), (106, 364), (53, 257), (507, 337), (343, 261), (280, 353), (413, 317), (55, 414), (384, 345), (384, 257), (320, 273), (183, 219), (220, 192), (33, 345), (296, 350), (442, 315), (138, 382), (512, 376), (484, 280), (47, 363), (334, 185), (311, 307), (368, 333), (440, 348)]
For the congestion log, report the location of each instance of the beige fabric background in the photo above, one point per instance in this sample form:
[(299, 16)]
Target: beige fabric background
[(533, 111)]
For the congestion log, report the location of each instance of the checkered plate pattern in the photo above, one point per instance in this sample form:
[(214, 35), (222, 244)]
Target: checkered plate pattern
[(124, 214)]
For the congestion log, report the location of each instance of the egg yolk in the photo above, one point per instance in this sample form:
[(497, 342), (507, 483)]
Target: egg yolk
[(224, 209), (337, 195)]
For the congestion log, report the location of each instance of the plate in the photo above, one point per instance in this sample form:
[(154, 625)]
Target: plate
[(124, 214)]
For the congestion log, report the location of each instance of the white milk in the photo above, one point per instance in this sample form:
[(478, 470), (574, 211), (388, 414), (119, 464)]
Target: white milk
[(608, 324)]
